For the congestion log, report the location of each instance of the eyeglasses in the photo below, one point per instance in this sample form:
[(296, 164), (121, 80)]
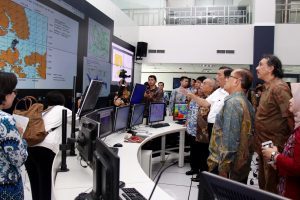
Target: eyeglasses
[(234, 77)]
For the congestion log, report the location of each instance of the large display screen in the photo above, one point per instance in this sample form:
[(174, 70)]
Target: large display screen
[(38, 44), (122, 59)]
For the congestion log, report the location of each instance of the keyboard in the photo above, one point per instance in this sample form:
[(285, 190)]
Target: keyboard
[(131, 194), (160, 125)]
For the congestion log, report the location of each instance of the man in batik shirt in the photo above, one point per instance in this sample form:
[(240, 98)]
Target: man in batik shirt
[(273, 121), (178, 95), (231, 144)]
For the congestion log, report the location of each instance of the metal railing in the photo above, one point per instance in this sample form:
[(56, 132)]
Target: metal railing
[(191, 15), (288, 13)]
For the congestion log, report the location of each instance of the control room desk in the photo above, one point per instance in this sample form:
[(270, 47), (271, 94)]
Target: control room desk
[(68, 185)]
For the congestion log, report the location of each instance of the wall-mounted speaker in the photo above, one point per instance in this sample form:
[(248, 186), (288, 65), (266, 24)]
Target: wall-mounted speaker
[(141, 50)]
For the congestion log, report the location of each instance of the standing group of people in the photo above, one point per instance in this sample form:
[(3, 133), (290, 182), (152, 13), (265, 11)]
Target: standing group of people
[(223, 126), (236, 128)]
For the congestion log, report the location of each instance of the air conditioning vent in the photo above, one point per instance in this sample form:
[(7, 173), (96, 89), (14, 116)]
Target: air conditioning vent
[(221, 51), (151, 51), (160, 51), (229, 51)]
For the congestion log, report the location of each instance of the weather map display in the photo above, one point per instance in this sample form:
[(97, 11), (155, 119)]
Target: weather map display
[(98, 41), (38, 44)]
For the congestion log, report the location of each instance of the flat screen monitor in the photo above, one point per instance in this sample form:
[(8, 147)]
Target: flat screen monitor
[(90, 98), (137, 114), (105, 173), (217, 187), (105, 116), (137, 95), (121, 118), (88, 132), (156, 112), (180, 111)]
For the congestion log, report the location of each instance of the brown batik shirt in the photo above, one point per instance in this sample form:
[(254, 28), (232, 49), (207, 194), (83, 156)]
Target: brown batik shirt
[(272, 120)]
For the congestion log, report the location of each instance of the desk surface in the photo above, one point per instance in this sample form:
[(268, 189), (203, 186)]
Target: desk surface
[(69, 184)]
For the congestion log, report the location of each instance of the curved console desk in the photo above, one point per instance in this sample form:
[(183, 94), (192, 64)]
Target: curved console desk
[(67, 185)]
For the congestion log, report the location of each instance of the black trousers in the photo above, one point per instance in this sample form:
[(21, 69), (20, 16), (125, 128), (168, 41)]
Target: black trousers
[(209, 129), (198, 155), (39, 166)]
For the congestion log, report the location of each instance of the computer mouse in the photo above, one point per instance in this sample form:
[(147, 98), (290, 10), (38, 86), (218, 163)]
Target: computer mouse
[(118, 145)]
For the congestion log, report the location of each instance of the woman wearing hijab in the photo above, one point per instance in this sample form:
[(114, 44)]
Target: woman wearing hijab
[(288, 162)]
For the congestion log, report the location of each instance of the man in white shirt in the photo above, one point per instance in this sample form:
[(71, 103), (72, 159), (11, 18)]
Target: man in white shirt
[(216, 100)]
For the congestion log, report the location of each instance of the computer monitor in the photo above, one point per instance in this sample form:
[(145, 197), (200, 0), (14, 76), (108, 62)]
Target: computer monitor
[(90, 98), (137, 114), (217, 187), (121, 118), (105, 116), (180, 111), (156, 112), (88, 132), (105, 173), (137, 94)]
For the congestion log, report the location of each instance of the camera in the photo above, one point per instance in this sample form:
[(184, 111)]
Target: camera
[(123, 74)]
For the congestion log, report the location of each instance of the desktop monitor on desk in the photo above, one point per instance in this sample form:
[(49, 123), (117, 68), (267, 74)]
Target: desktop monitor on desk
[(96, 124), (137, 116), (90, 97), (156, 112), (217, 187), (105, 173), (88, 132), (105, 116), (180, 111), (121, 118)]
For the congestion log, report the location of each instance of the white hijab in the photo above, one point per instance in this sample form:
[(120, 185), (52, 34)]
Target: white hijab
[(296, 107)]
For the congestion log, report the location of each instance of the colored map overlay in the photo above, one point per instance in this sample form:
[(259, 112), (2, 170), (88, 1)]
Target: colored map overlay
[(23, 40)]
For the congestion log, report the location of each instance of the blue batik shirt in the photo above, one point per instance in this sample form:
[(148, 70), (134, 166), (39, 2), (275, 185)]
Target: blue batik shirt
[(13, 150)]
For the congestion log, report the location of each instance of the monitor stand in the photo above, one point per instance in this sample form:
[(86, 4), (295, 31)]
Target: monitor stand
[(131, 132)]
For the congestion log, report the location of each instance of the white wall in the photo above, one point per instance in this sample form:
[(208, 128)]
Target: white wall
[(198, 44), (287, 43), (180, 3), (134, 4), (264, 12), (124, 27)]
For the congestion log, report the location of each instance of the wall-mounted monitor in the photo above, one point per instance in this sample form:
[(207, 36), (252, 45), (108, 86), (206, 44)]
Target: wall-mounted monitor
[(122, 59), (39, 44)]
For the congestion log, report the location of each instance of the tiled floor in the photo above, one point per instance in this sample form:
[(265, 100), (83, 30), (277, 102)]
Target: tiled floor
[(178, 185), (173, 180)]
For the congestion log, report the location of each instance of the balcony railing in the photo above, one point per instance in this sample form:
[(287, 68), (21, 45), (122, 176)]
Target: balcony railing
[(288, 13), (191, 15)]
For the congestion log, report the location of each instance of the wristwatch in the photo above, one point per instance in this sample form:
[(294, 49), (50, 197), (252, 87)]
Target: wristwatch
[(273, 154)]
